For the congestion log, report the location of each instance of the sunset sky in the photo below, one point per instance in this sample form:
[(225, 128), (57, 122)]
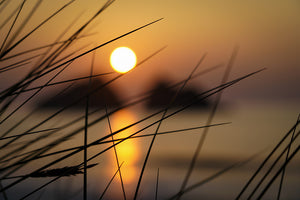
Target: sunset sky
[(266, 32), (256, 112)]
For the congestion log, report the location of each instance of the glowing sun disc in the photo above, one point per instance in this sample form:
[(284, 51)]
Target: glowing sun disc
[(122, 59)]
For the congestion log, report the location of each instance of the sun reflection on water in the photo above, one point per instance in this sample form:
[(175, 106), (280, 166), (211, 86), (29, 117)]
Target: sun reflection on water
[(127, 151)]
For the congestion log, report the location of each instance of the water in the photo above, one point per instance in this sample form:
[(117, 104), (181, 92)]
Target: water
[(254, 128)]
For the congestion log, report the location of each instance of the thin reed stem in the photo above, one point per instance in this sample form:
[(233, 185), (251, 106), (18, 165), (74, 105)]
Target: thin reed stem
[(287, 155), (272, 166), (266, 159), (159, 124), (99, 143), (11, 27), (208, 122), (156, 186), (278, 173), (213, 177), (108, 184), (116, 153), (32, 31)]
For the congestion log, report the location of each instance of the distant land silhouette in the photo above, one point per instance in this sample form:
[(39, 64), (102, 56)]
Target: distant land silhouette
[(162, 94), (98, 99)]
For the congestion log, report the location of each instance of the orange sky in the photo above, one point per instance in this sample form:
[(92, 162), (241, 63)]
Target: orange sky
[(267, 32)]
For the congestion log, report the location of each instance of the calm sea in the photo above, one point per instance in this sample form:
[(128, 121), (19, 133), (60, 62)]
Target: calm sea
[(255, 128)]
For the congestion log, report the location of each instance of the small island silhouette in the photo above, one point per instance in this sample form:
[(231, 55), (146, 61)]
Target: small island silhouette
[(97, 98), (162, 94)]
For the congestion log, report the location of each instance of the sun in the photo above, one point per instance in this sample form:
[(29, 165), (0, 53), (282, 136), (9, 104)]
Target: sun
[(122, 59)]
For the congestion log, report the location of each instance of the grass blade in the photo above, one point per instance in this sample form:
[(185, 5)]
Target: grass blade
[(86, 134), (24, 22), (278, 173), (10, 29), (209, 121), (266, 159), (212, 177), (8, 17), (116, 154), (62, 82), (108, 185), (287, 155), (39, 48), (12, 66), (36, 28), (99, 143), (159, 124), (272, 166), (28, 99), (156, 188)]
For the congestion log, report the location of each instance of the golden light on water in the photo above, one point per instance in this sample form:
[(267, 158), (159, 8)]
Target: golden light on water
[(127, 151), (122, 59)]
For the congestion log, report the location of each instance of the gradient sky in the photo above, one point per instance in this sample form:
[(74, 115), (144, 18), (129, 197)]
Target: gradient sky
[(267, 33)]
